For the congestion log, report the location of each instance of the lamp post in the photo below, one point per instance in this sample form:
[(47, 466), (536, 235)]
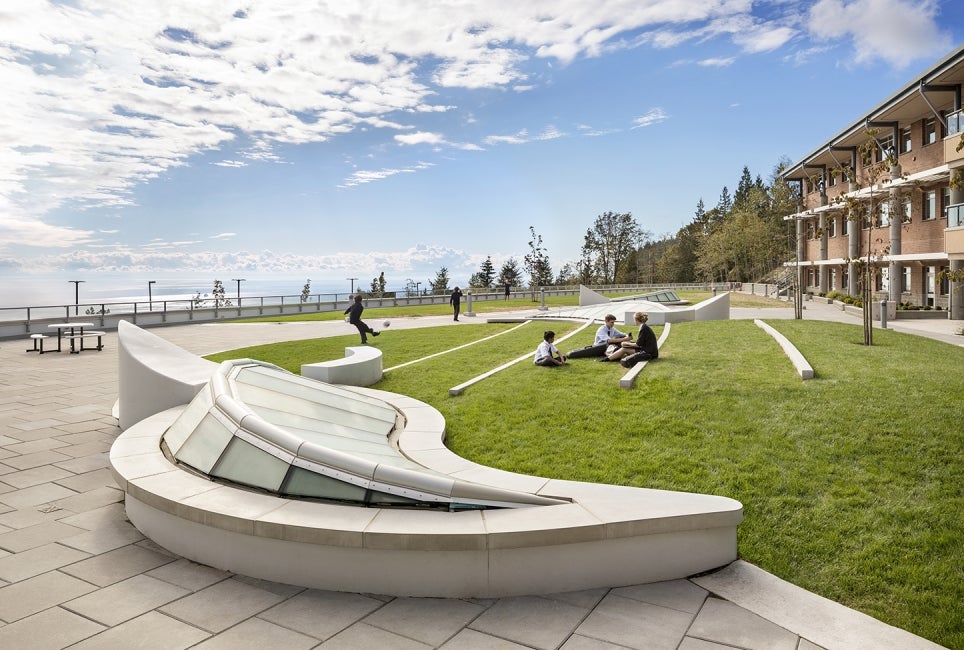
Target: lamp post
[(150, 299), (417, 292), (352, 280), (239, 281), (76, 294)]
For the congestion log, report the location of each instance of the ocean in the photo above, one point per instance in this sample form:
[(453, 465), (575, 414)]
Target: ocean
[(20, 291)]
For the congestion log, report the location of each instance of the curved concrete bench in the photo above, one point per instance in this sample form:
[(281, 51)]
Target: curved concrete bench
[(154, 374), (627, 380), (585, 536), (796, 358), (362, 366)]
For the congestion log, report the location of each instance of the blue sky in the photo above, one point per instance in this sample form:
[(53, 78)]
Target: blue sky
[(286, 138)]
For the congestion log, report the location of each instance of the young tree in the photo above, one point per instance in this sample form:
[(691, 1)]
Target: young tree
[(567, 275), (440, 283), (378, 286), (609, 242), (536, 263), (218, 295), (306, 290)]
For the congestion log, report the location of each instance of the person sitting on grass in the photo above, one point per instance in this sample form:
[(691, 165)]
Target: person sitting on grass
[(644, 349), (547, 354), (607, 340)]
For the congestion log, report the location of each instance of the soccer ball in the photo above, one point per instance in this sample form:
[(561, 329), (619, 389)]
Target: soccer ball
[(387, 323)]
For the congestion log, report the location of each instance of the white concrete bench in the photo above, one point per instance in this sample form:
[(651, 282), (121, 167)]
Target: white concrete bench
[(154, 374), (627, 380), (38, 343), (796, 358), (362, 366), (75, 338)]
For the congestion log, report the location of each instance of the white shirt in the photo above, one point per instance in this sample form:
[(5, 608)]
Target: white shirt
[(605, 333), (544, 351)]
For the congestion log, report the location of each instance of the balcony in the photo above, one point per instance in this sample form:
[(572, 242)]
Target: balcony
[(954, 234), (955, 132)]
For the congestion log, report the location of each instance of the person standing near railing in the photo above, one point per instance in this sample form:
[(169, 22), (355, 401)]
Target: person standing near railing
[(456, 301)]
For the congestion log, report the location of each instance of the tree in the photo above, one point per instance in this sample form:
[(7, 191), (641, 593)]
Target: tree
[(218, 295), (378, 286), (306, 290), (486, 274), (510, 272), (536, 263), (440, 283), (609, 242), (567, 275)]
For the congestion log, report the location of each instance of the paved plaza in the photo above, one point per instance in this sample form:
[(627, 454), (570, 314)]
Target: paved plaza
[(74, 573)]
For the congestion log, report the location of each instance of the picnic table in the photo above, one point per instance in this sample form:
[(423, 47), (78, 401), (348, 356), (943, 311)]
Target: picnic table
[(74, 332)]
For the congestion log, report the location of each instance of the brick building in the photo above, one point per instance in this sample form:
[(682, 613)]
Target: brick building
[(891, 183)]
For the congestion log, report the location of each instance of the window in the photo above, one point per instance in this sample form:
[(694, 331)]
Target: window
[(844, 277), (930, 130), (908, 209), (833, 279), (886, 145), (832, 226), (929, 208), (844, 226), (905, 141), (905, 279), (884, 214), (945, 201)]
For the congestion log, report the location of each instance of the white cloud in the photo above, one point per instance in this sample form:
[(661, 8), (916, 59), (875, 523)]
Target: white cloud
[(362, 177), (717, 62), (654, 116), (421, 137), (223, 235), (898, 32)]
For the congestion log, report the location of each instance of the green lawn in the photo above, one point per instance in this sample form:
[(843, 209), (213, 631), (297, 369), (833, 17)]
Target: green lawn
[(851, 482)]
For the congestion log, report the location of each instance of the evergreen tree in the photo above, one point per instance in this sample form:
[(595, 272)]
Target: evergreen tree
[(440, 284), (510, 272), (486, 273), (742, 196)]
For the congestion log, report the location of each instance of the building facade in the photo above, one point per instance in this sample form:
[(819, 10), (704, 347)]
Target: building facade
[(889, 190)]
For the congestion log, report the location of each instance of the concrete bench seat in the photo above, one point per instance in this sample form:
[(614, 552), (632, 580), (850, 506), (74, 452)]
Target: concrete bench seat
[(38, 343), (74, 338), (800, 363), (629, 379), (361, 366)]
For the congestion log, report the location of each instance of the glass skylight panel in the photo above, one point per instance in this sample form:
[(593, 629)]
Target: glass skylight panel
[(186, 423), (302, 483), (246, 464), (203, 448)]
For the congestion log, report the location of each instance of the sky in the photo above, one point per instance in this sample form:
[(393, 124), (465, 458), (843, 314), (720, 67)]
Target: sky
[(351, 138)]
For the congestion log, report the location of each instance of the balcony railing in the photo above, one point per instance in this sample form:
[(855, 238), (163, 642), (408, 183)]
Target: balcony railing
[(955, 216)]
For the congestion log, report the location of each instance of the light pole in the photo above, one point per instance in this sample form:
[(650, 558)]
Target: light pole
[(150, 299), (239, 281), (417, 292), (352, 284), (76, 294)]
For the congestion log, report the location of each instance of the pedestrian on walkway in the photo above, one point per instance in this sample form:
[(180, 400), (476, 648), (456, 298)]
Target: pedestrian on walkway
[(507, 287), (456, 301), (354, 312)]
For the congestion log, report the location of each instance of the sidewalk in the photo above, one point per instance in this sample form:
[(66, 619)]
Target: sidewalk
[(74, 572)]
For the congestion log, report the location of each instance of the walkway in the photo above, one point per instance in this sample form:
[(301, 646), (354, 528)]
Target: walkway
[(74, 572)]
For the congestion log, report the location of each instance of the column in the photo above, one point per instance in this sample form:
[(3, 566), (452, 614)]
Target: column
[(824, 271)]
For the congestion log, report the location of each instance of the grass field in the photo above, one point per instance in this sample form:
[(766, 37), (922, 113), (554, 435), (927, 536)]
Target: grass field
[(851, 482)]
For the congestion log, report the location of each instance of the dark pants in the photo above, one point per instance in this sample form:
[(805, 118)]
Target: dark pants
[(589, 351), (363, 329), (457, 307)]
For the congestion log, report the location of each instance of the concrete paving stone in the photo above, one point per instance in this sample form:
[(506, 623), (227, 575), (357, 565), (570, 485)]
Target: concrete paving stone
[(579, 642), (429, 620), (689, 643), (723, 622), (531, 620), (33, 595), (27, 564), (51, 629), (33, 425), (85, 464), (6, 469), (86, 449), (587, 598), (35, 495), (675, 594), (365, 636), (321, 614), (103, 539), (114, 566), (85, 437), (150, 631), (97, 498), (35, 459), (125, 600), (43, 444), (279, 588), (37, 535), (469, 639), (809, 645), (80, 429), (635, 624), (187, 574), (7, 440), (87, 481), (111, 514), (257, 634), (30, 477), (35, 434), (6, 489), (218, 607), (7, 454), (25, 517)]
